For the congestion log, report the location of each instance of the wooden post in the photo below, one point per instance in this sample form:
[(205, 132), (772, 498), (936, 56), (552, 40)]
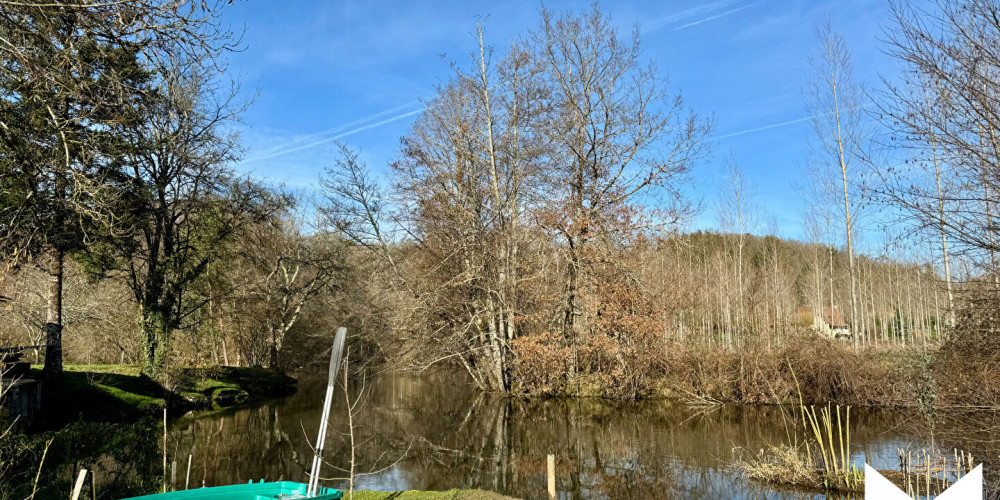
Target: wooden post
[(187, 478), (80, 478), (93, 486), (552, 476)]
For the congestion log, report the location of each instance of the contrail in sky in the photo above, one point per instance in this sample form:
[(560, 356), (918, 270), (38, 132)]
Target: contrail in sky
[(765, 127), (343, 129), (687, 15), (707, 19)]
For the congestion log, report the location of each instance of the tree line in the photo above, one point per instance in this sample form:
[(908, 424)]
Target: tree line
[(530, 226), (539, 203)]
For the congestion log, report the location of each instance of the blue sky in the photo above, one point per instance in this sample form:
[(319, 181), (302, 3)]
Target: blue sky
[(356, 72)]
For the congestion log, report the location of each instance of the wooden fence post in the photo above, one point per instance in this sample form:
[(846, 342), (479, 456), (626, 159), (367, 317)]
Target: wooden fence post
[(552, 476), (80, 478)]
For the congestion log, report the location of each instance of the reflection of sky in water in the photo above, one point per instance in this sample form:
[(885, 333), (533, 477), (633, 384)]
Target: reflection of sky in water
[(393, 479), (439, 435)]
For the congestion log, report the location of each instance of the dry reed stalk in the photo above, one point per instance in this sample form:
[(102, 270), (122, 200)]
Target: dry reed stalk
[(38, 475)]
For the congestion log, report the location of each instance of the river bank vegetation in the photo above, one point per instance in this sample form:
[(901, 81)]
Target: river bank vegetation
[(118, 393)]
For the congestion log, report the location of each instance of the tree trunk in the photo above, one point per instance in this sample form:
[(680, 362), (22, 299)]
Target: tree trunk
[(272, 362), (570, 327), (225, 351), (944, 237), (53, 323), (154, 342)]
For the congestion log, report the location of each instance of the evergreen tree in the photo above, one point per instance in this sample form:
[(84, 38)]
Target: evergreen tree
[(71, 82)]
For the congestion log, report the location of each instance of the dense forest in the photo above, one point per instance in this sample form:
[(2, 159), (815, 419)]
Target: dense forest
[(532, 230)]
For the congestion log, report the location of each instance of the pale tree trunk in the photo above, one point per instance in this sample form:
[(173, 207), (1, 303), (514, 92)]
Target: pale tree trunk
[(837, 116), (225, 350), (992, 238), (818, 312), (779, 310), (832, 306), (499, 330), (944, 235), (847, 222), (909, 309), (899, 303), (922, 308), (937, 315)]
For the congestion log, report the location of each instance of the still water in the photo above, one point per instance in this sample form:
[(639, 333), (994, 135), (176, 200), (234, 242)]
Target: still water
[(435, 434)]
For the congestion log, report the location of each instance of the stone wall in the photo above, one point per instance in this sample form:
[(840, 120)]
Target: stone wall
[(22, 400)]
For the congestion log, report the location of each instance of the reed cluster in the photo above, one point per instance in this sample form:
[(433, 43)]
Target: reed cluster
[(928, 472), (832, 436), (827, 430), (822, 461)]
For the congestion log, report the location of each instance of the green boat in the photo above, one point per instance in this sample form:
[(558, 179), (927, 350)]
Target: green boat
[(284, 490)]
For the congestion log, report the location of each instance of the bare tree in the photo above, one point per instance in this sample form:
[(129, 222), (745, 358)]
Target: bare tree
[(287, 267), (838, 117), (353, 205), (617, 136), (463, 185), (738, 214), (937, 161), (946, 120)]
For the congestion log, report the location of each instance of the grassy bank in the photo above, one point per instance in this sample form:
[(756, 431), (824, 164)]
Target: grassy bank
[(92, 411), (119, 393)]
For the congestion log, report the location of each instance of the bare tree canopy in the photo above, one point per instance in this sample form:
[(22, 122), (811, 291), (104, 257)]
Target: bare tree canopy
[(567, 135)]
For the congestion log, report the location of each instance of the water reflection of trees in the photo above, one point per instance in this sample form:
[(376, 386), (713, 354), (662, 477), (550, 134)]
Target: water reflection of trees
[(454, 437)]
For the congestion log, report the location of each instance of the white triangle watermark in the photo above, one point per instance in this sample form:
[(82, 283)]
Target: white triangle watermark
[(969, 487)]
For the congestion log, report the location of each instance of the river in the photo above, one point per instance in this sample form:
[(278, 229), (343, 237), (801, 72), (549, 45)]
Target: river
[(432, 433)]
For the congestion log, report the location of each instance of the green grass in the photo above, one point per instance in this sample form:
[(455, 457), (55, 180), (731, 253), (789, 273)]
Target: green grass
[(127, 370), (119, 393), (99, 393), (428, 495), (225, 386)]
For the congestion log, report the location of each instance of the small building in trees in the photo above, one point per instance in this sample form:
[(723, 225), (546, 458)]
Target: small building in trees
[(832, 323)]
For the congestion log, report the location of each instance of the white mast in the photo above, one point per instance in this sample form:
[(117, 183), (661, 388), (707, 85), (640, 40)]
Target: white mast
[(335, 354)]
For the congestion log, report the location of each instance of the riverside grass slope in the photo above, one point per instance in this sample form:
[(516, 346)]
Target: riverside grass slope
[(119, 393)]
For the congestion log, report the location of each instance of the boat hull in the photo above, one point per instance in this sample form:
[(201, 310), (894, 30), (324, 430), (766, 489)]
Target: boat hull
[(282, 490)]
